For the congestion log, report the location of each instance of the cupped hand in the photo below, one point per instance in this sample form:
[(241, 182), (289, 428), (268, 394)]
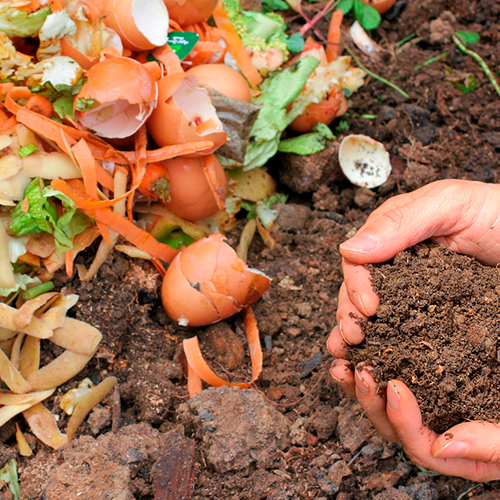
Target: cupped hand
[(470, 450), (464, 216)]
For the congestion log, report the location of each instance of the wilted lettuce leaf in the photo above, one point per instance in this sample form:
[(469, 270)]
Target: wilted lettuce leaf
[(308, 144), (15, 22), (278, 91)]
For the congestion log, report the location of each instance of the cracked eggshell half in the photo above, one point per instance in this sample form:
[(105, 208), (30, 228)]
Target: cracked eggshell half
[(364, 161), (187, 12), (141, 24), (207, 282), (185, 113), (124, 94)]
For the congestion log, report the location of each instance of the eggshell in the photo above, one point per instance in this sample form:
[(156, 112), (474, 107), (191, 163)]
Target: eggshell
[(184, 114), (125, 93), (177, 292), (191, 196), (364, 161), (141, 24), (381, 6), (187, 12), (224, 79), (209, 268)]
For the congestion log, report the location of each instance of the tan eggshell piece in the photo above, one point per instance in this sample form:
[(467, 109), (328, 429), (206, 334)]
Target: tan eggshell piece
[(182, 302), (212, 266), (141, 24), (184, 113)]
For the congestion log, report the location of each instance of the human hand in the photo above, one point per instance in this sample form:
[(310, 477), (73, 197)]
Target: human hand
[(465, 216), (470, 450)]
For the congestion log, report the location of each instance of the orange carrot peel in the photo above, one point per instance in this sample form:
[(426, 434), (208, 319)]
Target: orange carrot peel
[(333, 47), (199, 369), (236, 46)]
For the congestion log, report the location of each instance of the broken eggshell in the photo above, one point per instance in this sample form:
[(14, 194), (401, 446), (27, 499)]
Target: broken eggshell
[(141, 24), (185, 113), (124, 94), (207, 282), (364, 161)]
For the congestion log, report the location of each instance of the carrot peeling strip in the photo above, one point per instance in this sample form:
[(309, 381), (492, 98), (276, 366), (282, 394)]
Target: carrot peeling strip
[(194, 383), (68, 255), (236, 46), (169, 152), (333, 47), (168, 58), (208, 163), (141, 141), (87, 164), (200, 367), (135, 235)]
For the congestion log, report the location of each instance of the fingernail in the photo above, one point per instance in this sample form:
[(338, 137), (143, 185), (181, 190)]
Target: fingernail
[(342, 333), (454, 449), (393, 398), (328, 347), (361, 243), (356, 297), (361, 385), (338, 380)]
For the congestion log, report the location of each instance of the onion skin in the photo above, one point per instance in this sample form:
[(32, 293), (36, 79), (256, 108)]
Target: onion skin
[(190, 193), (207, 282), (323, 112), (381, 6), (187, 12)]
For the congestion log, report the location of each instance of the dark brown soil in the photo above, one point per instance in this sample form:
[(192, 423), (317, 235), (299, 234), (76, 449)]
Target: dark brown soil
[(437, 330), (326, 448)]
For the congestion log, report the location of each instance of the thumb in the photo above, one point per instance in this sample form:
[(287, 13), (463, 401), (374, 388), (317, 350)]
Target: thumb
[(478, 441), (396, 229)]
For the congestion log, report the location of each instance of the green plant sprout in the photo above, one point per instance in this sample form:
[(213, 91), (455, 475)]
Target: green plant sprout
[(461, 40), (366, 15), (431, 60), (374, 75)]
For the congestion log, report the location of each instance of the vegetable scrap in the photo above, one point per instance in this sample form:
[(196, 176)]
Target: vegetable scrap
[(145, 128)]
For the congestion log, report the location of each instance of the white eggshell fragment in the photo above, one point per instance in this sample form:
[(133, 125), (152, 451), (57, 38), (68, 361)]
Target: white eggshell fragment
[(364, 161)]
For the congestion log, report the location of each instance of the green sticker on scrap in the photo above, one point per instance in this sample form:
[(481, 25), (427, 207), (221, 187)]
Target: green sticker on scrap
[(182, 42)]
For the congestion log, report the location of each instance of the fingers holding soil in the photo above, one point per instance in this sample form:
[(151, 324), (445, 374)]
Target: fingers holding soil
[(472, 440), (343, 377), (348, 315), (373, 403), (359, 288)]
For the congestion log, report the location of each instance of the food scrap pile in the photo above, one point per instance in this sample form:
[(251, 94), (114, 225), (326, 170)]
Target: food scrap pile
[(144, 126)]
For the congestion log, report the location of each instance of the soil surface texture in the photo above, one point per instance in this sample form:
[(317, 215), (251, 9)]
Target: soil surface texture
[(437, 330), (293, 435)]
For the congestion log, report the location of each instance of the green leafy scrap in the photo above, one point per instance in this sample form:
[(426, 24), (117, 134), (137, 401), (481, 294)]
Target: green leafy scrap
[(8, 475), (62, 97), (308, 144), (468, 37), (278, 91), (15, 22), (365, 14), (42, 215), (295, 42), (272, 5)]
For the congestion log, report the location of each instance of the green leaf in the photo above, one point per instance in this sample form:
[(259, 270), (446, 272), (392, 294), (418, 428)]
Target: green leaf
[(308, 144), (84, 104), (15, 22), (177, 238), (467, 85), (295, 43), (366, 15), (468, 37), (8, 475), (27, 150), (63, 106), (345, 5), (42, 215), (278, 91), (272, 5)]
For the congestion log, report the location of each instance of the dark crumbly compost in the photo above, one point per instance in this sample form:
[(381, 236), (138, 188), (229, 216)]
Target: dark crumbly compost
[(437, 330)]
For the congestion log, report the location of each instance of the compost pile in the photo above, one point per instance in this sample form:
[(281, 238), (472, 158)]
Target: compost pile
[(437, 329), (292, 434)]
